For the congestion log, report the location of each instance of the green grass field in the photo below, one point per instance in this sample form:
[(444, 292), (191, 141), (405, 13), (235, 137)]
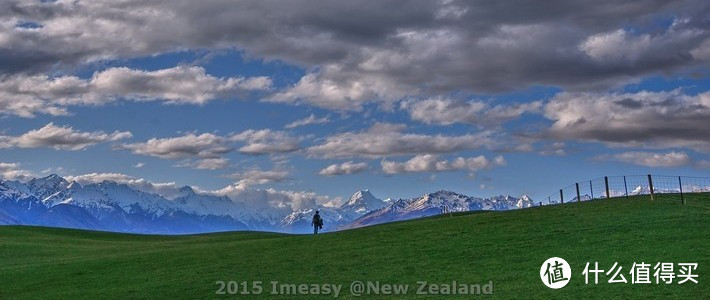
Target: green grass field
[(507, 248)]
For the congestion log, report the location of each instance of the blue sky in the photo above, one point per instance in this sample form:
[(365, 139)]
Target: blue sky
[(317, 101)]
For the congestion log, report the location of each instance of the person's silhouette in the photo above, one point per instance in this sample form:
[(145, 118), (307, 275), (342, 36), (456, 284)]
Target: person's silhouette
[(317, 222)]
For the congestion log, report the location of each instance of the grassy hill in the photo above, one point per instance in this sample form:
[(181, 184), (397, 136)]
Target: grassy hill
[(507, 248)]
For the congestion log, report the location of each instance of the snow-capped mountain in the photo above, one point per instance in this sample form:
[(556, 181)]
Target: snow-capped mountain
[(645, 190), (111, 206), (437, 203), (53, 201), (300, 220), (46, 187), (334, 218), (17, 204), (361, 203), (109, 196)]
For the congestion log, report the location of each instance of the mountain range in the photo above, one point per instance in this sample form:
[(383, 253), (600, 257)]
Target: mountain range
[(110, 206)]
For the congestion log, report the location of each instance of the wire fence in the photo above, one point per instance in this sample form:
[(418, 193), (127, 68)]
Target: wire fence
[(629, 185)]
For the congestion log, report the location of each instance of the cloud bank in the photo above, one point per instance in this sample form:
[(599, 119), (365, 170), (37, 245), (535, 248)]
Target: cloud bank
[(60, 138)]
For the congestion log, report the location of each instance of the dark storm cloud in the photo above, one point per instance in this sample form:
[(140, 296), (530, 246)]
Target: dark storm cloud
[(379, 50)]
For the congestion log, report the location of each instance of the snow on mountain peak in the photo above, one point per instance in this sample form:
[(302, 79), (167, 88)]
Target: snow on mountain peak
[(442, 199), (124, 208), (436, 203), (52, 177), (73, 185), (186, 190), (362, 202), (46, 187), (359, 196), (51, 181)]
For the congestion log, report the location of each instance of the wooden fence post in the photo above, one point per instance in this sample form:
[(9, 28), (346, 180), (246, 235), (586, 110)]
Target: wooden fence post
[(562, 198), (626, 189), (606, 186), (680, 184), (591, 189), (578, 197), (650, 185)]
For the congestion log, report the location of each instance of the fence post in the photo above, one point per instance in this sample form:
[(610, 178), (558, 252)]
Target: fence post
[(606, 186), (650, 185), (591, 189), (562, 198), (626, 189), (680, 184), (548, 201), (578, 197)]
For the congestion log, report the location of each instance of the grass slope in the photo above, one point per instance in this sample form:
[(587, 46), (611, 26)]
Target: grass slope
[(505, 247)]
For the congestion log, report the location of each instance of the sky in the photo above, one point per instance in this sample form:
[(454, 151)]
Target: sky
[(292, 103)]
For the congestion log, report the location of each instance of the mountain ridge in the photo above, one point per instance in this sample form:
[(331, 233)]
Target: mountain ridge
[(112, 206)]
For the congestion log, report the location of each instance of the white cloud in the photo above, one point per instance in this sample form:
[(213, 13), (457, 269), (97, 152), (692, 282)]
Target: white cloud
[(168, 190), (60, 138), (384, 139), (12, 171), (431, 163), (336, 89), (618, 45), (310, 120), (651, 159), (205, 145), (643, 119), (139, 165), (26, 96), (57, 170), (266, 141), (623, 46), (278, 202), (206, 163), (181, 84), (346, 168), (484, 186), (206, 150), (447, 111), (203, 151), (702, 52), (257, 177), (556, 148)]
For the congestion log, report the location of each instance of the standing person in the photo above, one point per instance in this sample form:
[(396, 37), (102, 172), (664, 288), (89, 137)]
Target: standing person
[(317, 222)]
